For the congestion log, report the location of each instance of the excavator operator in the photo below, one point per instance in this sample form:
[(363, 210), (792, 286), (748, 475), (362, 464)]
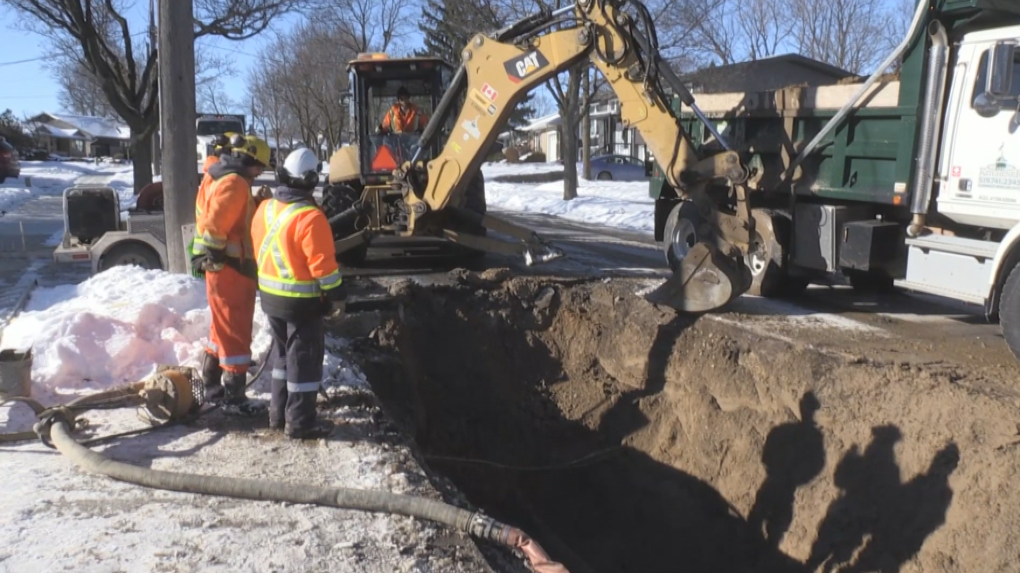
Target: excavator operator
[(404, 116), (223, 249)]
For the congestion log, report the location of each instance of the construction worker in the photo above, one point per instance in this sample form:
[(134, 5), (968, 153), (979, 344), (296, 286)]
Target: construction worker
[(404, 116), (223, 250), (300, 284)]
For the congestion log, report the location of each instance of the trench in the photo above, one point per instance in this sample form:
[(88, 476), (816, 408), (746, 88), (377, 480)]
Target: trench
[(626, 439)]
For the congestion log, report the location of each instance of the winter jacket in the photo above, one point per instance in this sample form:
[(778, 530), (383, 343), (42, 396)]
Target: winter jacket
[(223, 212), (296, 259)]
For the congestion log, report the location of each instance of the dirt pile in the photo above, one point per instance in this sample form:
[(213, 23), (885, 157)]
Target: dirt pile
[(627, 439)]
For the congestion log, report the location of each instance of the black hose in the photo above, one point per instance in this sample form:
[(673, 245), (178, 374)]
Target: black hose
[(463, 520)]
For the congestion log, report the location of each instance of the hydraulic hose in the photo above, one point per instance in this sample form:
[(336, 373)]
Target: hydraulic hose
[(473, 523)]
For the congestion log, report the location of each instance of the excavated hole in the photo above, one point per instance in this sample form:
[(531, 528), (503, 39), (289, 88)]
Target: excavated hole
[(624, 438)]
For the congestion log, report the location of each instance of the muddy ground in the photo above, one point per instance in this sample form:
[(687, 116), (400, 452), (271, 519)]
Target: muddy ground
[(625, 438)]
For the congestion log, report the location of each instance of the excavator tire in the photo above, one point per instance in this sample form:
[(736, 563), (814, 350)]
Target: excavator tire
[(335, 199)]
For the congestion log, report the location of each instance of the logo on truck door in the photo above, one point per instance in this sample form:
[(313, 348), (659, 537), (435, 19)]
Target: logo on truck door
[(524, 65)]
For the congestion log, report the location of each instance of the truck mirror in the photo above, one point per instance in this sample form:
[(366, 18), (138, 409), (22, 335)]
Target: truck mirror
[(1000, 69)]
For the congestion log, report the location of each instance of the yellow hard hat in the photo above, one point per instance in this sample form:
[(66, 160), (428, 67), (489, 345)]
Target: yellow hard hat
[(222, 142), (255, 148)]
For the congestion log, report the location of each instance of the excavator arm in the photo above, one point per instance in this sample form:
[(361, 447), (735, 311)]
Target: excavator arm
[(498, 71)]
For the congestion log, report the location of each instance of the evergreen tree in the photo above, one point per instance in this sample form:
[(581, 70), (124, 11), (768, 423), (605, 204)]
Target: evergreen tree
[(448, 25)]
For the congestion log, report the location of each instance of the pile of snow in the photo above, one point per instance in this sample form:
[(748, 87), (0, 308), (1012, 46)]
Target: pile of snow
[(624, 205), (114, 328)]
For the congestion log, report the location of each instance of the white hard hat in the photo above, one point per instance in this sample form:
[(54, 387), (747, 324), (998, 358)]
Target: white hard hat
[(301, 167)]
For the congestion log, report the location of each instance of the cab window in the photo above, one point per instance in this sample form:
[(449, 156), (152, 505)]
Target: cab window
[(982, 81)]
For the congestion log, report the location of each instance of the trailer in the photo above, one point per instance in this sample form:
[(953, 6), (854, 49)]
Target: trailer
[(903, 181), (98, 232)]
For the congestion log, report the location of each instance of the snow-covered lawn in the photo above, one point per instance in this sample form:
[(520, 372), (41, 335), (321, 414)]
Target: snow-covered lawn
[(114, 328), (623, 205), (52, 177)]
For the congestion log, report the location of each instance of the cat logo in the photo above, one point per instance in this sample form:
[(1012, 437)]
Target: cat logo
[(524, 65)]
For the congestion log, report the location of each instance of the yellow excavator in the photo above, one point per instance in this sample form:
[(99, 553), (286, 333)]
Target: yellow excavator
[(430, 189)]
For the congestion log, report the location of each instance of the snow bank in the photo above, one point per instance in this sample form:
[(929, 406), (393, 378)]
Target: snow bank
[(613, 204), (114, 328)]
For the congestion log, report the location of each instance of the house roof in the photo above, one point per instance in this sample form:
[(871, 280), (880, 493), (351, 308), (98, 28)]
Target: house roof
[(60, 133), (542, 123), (708, 78), (90, 126)]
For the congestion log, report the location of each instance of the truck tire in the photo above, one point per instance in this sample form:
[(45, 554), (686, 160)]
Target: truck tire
[(1009, 311), (130, 254), (769, 257), (680, 233)]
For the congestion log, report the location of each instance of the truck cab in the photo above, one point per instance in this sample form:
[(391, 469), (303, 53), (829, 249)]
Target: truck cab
[(208, 126)]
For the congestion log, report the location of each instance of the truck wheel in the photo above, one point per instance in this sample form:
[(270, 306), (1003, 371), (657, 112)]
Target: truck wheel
[(680, 233), (130, 254), (1009, 311), (769, 260)]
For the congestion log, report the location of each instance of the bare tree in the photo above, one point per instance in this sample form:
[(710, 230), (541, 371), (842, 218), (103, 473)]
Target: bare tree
[(844, 33), (128, 76), (81, 92), (370, 25)]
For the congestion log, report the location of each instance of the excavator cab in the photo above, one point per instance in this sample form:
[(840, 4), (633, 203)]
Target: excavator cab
[(361, 174)]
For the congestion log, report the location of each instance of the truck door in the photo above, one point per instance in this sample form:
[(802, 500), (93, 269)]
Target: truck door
[(981, 167)]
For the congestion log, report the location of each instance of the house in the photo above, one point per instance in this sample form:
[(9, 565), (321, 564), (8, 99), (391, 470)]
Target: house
[(81, 135), (766, 74), (608, 136)]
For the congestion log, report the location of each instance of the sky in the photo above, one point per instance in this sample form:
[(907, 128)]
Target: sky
[(28, 87)]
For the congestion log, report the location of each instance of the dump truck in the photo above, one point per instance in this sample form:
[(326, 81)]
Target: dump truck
[(209, 125), (909, 180)]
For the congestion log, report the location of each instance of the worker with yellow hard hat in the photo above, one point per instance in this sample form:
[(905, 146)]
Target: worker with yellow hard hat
[(223, 250)]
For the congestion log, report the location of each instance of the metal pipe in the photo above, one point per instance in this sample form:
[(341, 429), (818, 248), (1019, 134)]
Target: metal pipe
[(922, 7), (931, 126), (469, 522)]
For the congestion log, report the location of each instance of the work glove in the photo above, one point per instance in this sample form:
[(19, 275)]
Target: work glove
[(215, 259), (334, 302)]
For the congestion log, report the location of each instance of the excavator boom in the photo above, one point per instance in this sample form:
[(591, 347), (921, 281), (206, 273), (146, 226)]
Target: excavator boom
[(498, 71)]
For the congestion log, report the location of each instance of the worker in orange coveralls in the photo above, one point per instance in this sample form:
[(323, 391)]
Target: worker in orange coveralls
[(404, 116), (300, 284), (223, 250)]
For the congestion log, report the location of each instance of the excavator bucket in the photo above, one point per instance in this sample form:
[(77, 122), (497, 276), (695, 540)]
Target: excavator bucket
[(706, 280)]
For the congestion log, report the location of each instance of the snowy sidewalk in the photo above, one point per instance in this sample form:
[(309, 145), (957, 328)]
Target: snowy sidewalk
[(623, 205), (113, 329)]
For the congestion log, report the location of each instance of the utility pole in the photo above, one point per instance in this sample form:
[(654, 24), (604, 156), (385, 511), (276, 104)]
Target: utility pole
[(177, 123), (157, 155), (586, 126)]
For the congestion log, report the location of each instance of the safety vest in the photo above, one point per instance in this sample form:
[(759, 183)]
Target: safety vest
[(404, 120), (223, 214), (296, 257)]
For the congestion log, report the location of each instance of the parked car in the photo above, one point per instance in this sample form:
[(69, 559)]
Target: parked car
[(9, 165), (617, 168)]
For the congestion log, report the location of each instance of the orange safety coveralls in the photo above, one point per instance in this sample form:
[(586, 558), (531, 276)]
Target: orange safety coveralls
[(209, 161), (223, 215), (404, 120)]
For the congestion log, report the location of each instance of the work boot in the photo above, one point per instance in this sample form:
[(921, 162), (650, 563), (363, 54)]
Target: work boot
[(235, 402), (321, 429), (211, 378)]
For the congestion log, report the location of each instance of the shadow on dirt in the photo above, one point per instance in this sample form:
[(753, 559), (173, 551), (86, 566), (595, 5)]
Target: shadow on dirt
[(478, 384)]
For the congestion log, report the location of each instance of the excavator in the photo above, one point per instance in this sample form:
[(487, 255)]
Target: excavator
[(429, 190)]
